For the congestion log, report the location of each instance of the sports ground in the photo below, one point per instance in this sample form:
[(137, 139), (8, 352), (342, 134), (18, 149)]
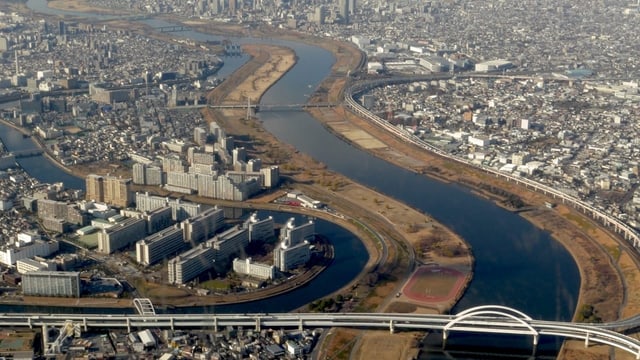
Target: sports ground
[(434, 284)]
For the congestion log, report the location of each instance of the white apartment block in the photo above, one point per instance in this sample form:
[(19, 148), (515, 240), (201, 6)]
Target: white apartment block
[(257, 270), (293, 235), (11, 254), (26, 265), (203, 226), (190, 264), (286, 257), (160, 245), (121, 235), (259, 230)]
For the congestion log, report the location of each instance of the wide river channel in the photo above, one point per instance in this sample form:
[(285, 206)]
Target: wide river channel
[(516, 264)]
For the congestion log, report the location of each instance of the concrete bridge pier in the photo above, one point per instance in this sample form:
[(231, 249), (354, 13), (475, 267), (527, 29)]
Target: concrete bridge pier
[(45, 337), (215, 324), (301, 325), (586, 341), (391, 327), (128, 324), (258, 324), (445, 333)]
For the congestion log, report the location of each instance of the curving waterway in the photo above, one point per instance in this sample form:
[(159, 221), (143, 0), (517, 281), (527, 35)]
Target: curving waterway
[(516, 264)]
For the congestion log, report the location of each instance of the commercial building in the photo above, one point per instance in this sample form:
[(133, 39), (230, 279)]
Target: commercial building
[(493, 65), (190, 264), (257, 270), (51, 283), (203, 226), (160, 245), (121, 235)]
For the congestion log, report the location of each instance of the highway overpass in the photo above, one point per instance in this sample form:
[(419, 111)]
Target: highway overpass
[(489, 319)]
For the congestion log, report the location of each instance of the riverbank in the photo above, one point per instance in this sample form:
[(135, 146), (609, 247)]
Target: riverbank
[(312, 178), (400, 228)]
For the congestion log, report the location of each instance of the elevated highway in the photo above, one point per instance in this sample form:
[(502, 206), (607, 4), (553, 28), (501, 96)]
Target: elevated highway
[(489, 319)]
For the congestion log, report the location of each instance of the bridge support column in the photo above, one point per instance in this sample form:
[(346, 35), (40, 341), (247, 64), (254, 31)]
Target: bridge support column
[(445, 333), (258, 324), (171, 322), (586, 341), (535, 340), (391, 327), (29, 322), (301, 325), (84, 323), (128, 324), (45, 337), (215, 324)]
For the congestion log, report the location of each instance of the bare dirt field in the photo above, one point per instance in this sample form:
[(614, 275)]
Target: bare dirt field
[(82, 6), (433, 284)]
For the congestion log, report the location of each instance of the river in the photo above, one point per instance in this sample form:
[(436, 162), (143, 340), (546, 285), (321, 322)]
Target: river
[(516, 264)]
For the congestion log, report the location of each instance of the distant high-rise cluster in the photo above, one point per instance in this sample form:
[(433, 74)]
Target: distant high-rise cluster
[(202, 170)]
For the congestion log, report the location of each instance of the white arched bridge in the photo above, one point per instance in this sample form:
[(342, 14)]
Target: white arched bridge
[(489, 319)]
